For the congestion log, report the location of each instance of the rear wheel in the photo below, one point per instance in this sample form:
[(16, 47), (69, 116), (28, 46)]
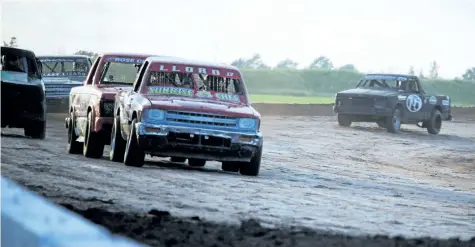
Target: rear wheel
[(344, 120), (74, 147), (177, 159), (93, 145), (393, 123), (134, 156), (196, 162), (434, 124), (36, 130), (117, 142)]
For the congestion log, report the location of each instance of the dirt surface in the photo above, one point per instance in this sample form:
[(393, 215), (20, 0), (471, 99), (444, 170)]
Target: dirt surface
[(316, 176)]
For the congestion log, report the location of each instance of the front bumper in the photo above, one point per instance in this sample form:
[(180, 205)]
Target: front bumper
[(198, 143), (364, 111)]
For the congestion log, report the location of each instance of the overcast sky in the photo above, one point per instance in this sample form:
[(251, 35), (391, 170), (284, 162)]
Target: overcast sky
[(375, 35)]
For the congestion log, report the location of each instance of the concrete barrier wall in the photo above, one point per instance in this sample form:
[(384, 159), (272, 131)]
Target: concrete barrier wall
[(29, 220)]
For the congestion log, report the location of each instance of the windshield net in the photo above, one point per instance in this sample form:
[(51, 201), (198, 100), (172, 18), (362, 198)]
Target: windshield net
[(195, 85), (64, 67)]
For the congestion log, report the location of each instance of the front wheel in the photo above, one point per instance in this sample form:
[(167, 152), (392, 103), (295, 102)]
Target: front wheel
[(117, 143), (252, 168), (134, 156), (393, 123), (434, 124), (196, 162), (344, 120)]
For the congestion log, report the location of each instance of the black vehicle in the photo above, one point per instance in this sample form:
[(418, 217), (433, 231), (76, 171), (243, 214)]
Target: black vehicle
[(23, 92), (391, 100)]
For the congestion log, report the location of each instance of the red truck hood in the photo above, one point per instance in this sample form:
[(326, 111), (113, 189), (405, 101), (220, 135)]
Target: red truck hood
[(198, 105)]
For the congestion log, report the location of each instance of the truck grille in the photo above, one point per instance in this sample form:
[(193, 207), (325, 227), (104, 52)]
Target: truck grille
[(360, 101), (201, 119)]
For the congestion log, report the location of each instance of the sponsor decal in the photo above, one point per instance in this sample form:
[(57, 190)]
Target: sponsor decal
[(446, 102), (204, 94), (401, 97), (385, 77), (221, 72), (171, 90), (433, 100), (71, 73), (228, 97), (413, 103), (124, 60)]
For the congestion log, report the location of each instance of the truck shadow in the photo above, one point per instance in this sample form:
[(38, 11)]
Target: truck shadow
[(10, 135), (149, 164), (416, 134)]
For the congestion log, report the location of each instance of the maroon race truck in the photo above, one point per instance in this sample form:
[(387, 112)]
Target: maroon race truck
[(186, 109), (91, 105)]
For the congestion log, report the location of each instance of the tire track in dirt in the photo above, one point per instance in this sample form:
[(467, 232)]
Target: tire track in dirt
[(358, 180)]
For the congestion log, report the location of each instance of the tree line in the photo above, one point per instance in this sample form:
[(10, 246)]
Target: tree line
[(321, 62)]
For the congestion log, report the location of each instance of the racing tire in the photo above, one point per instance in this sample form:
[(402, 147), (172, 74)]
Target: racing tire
[(434, 124), (230, 166), (36, 130), (177, 159), (118, 143), (133, 156), (344, 120), (93, 146), (252, 168), (74, 147), (393, 123), (196, 162)]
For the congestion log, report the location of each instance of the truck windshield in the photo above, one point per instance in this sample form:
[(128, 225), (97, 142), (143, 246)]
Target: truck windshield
[(18, 62), (194, 85), (64, 66), (380, 84), (122, 72)]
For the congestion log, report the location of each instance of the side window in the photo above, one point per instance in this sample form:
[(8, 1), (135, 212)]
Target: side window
[(92, 71), (412, 86), (140, 76)]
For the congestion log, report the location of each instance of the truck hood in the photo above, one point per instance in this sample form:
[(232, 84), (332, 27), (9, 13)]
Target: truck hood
[(108, 92), (204, 106), (368, 92), (61, 80)]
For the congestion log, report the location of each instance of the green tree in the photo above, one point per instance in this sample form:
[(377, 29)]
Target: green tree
[(469, 74), (287, 64), (349, 67), (411, 70), (321, 62), (91, 54), (421, 74), (11, 43), (434, 70), (255, 62)]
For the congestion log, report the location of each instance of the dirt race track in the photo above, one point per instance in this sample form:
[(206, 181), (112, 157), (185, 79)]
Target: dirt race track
[(326, 181)]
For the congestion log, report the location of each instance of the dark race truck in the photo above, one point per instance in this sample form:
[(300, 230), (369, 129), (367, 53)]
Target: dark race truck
[(23, 92), (391, 100), (60, 74), (191, 110), (91, 106)]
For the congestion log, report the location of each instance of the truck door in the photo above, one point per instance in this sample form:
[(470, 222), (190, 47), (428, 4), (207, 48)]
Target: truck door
[(415, 103)]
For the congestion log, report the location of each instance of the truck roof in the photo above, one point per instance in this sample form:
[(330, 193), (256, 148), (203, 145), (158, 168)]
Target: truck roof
[(402, 75), (118, 54), (178, 60), (78, 56)]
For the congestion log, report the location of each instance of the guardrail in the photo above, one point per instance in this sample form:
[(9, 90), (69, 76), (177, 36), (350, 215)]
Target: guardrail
[(29, 220)]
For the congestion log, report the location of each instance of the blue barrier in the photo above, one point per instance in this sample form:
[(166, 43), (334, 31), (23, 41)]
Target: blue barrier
[(29, 220)]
